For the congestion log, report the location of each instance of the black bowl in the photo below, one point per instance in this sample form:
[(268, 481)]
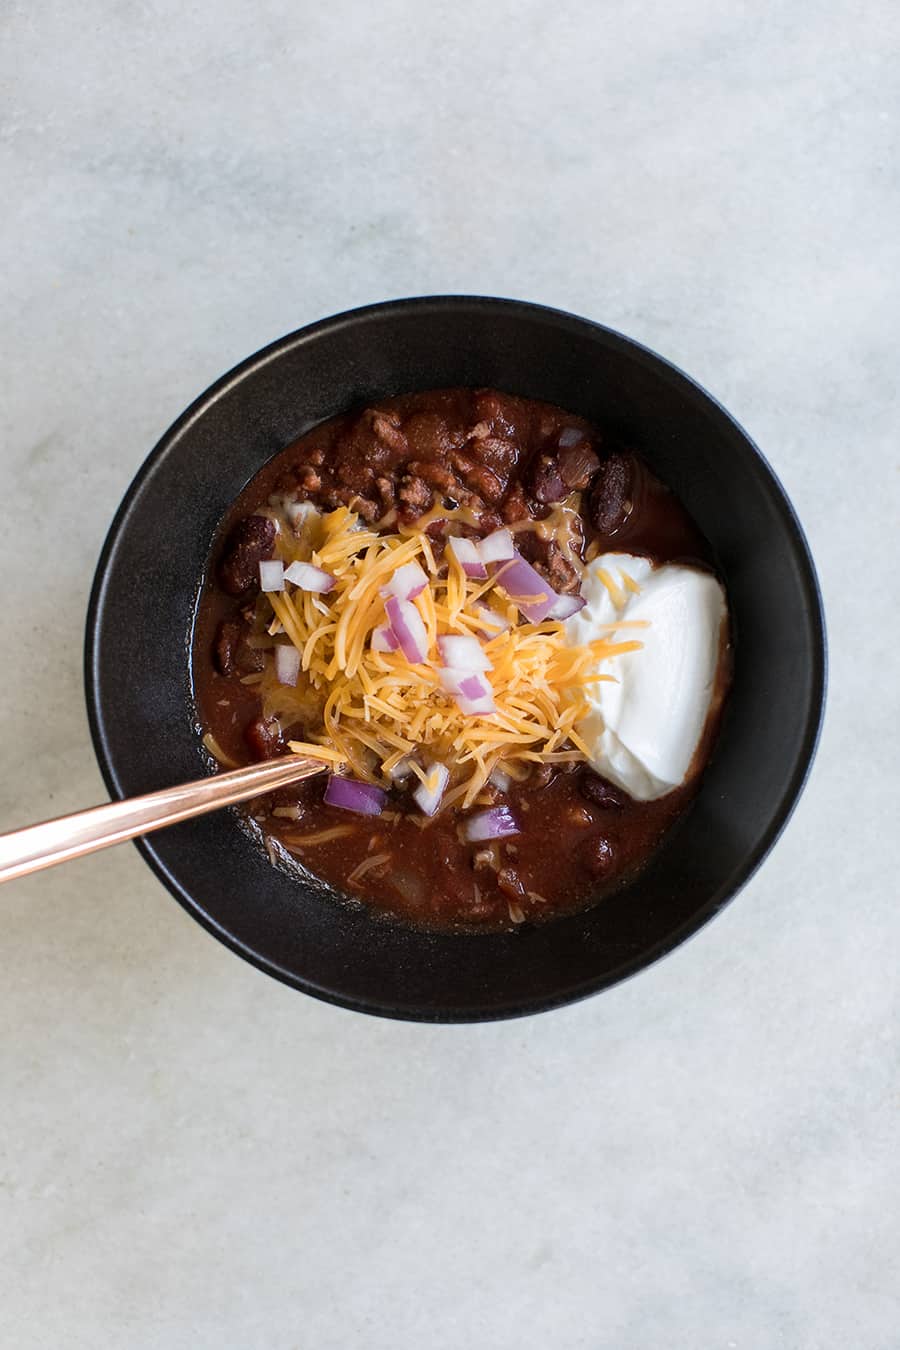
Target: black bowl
[(142, 611)]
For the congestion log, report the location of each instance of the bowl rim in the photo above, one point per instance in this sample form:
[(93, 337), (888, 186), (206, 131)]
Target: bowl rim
[(818, 655)]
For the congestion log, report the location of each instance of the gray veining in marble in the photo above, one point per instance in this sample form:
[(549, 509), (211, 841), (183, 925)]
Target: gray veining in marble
[(193, 1157)]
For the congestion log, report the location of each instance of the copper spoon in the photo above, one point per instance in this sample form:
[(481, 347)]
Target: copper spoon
[(55, 841)]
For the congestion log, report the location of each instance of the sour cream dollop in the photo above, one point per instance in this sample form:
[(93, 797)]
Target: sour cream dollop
[(643, 730)]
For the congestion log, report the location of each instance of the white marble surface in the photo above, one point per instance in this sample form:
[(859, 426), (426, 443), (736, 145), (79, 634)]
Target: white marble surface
[(192, 1156)]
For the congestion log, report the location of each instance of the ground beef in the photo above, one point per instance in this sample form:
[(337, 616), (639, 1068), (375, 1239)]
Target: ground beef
[(367, 510), (387, 493), (497, 454), (480, 481), (547, 559), (462, 462), (486, 485), (562, 575), (429, 435), (489, 521), (515, 507), (578, 464), (532, 548), (360, 477), (438, 475), (387, 430), (491, 407), (366, 443), (415, 495), (250, 542), (310, 480)]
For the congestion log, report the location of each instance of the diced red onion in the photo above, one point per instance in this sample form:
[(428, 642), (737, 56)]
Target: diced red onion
[(570, 436), (476, 707), (427, 795), (466, 553), (565, 606), (384, 640), (309, 578), (474, 686), (287, 663), (496, 623), (407, 582), (495, 823), (401, 770), (449, 679), (408, 628), (351, 795), (496, 547), (271, 575), (474, 695), (500, 780), (463, 652), (521, 582)]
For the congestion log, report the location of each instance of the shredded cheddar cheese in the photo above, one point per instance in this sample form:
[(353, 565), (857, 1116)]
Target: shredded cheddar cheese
[(368, 711), (616, 594)]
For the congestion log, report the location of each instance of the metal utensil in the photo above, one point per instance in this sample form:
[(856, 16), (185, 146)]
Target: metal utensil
[(54, 841)]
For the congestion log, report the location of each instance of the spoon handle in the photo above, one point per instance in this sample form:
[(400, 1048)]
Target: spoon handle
[(55, 841)]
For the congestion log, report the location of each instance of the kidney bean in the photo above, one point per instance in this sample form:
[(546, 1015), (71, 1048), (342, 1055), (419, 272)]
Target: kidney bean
[(228, 635), (415, 497), (250, 542), (264, 738), (610, 502), (231, 652), (600, 792), (544, 480), (511, 884)]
